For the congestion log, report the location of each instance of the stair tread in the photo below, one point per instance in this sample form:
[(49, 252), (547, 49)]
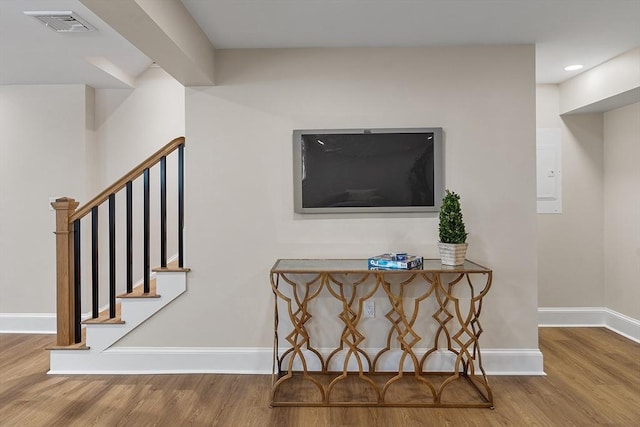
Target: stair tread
[(77, 346), (138, 291), (171, 266), (104, 319)]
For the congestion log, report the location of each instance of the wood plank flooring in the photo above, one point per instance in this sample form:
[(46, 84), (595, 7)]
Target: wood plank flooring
[(593, 378)]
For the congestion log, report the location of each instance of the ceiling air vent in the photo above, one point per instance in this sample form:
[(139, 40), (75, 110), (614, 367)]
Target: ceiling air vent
[(62, 22)]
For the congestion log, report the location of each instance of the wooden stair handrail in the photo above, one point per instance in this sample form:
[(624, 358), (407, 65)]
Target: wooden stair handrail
[(122, 182)]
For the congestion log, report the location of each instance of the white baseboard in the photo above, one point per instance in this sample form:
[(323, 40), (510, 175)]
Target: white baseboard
[(258, 360), (513, 361), (33, 323), (163, 360), (27, 323), (590, 317)]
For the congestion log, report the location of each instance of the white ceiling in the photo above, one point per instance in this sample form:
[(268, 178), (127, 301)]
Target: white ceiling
[(31, 53), (564, 31)]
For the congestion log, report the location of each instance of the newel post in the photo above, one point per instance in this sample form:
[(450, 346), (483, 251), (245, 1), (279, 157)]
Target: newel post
[(64, 208)]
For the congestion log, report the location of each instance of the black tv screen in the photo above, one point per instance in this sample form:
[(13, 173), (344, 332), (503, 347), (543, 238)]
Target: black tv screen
[(368, 170)]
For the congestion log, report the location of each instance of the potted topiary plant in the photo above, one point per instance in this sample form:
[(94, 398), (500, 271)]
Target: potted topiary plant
[(453, 236)]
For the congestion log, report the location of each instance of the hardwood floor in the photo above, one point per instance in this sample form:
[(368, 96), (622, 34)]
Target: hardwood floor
[(593, 378)]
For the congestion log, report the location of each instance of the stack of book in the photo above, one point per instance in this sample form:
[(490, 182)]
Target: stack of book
[(395, 261)]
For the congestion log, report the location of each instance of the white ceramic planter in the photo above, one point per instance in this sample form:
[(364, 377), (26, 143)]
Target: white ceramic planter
[(452, 253)]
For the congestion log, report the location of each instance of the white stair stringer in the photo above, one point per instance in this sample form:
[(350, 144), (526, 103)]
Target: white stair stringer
[(99, 337)]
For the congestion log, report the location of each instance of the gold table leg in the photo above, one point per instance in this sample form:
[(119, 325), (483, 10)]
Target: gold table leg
[(458, 326), (297, 308), (351, 337), (403, 330), (466, 347)]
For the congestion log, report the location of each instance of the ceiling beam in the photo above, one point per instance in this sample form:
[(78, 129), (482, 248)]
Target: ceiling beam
[(611, 85), (165, 32), (111, 69)]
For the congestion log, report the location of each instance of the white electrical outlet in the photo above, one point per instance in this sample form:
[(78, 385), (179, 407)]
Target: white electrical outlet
[(369, 309)]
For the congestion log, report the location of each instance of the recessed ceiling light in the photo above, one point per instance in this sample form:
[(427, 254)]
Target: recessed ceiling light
[(573, 67)]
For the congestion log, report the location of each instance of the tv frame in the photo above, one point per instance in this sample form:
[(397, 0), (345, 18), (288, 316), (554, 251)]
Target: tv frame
[(439, 163)]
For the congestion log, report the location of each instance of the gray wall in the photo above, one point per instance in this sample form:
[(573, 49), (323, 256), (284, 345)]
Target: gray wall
[(44, 152), (239, 203)]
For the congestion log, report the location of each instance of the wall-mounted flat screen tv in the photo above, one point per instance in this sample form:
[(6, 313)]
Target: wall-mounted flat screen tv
[(368, 170)]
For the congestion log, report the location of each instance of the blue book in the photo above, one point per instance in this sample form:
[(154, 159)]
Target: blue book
[(394, 261)]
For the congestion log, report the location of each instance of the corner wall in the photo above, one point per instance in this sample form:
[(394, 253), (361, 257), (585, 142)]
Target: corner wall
[(131, 124), (570, 245), (622, 210), (602, 289)]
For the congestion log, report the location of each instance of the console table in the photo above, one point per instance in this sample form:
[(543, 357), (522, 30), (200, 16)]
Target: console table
[(443, 368)]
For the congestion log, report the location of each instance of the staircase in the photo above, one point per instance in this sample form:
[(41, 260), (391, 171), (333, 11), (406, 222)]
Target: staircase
[(93, 354), (85, 346)]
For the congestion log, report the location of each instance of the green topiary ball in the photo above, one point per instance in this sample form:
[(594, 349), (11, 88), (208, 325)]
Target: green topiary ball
[(451, 224)]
